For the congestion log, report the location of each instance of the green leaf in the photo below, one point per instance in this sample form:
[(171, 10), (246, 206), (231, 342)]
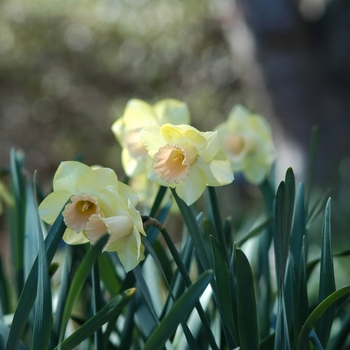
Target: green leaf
[(43, 306), (17, 221), (29, 291), (216, 221), (201, 249), (284, 214), (5, 299), (108, 274), (223, 287), (178, 312), (327, 281), (81, 274), (108, 312), (246, 303), (303, 339), (4, 334)]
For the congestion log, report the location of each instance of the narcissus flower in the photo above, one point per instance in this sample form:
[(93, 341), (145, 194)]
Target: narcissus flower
[(246, 139), (95, 203), (138, 114), (184, 158)]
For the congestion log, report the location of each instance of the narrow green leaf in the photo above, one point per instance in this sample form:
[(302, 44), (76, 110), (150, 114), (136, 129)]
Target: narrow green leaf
[(284, 214), (17, 214), (5, 299), (246, 303), (108, 312), (314, 141), (327, 281), (183, 269), (81, 274), (43, 306), (178, 313), (303, 339), (217, 222), (299, 226), (282, 341), (29, 291), (157, 202), (223, 286), (201, 249), (4, 334), (108, 274), (96, 303)]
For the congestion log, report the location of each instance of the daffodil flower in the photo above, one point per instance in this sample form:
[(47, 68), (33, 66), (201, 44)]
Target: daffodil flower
[(95, 203), (246, 139), (138, 114), (186, 159)]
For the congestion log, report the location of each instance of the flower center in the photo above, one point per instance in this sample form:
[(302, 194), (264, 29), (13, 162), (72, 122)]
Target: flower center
[(237, 144), (77, 213), (134, 145), (173, 163)]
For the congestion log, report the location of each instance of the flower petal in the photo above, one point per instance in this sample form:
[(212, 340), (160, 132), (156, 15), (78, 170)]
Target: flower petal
[(97, 180), (191, 189), (72, 237), (173, 134), (52, 205), (67, 175), (132, 166), (218, 172), (151, 139), (171, 111)]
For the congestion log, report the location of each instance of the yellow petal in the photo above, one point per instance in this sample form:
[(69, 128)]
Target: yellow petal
[(131, 165), (52, 205), (173, 134), (191, 189), (67, 175), (152, 139), (96, 180), (72, 237), (138, 113), (171, 111)]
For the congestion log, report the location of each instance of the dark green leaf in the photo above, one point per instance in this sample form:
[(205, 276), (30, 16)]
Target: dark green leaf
[(108, 312), (327, 281), (303, 339), (246, 304), (43, 306), (81, 274), (29, 291), (182, 307)]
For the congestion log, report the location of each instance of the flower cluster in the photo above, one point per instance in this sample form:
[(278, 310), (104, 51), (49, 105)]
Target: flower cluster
[(96, 203), (138, 114), (156, 141)]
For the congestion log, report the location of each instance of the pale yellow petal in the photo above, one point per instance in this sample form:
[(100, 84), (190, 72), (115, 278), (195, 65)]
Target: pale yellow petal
[(218, 172), (171, 111), (132, 166), (191, 189), (97, 180), (210, 147), (52, 205), (152, 139), (72, 237), (68, 174), (173, 134), (138, 113)]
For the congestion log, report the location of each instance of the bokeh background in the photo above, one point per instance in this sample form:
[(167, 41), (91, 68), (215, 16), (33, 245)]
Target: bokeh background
[(67, 69)]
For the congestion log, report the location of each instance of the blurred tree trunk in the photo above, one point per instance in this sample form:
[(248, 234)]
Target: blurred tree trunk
[(306, 70)]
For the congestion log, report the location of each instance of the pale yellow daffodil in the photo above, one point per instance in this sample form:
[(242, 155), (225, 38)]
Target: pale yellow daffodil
[(95, 203), (138, 114), (186, 159), (246, 139)]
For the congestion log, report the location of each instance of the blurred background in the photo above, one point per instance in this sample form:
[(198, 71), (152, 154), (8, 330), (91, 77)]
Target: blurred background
[(67, 69)]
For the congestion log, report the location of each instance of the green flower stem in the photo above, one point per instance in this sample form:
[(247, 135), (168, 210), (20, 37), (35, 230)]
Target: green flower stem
[(220, 237)]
